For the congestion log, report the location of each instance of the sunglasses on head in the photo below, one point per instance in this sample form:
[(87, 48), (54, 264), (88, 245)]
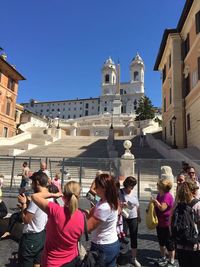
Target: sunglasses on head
[(191, 172)]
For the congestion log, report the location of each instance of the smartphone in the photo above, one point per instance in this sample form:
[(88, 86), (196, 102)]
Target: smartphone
[(129, 205)]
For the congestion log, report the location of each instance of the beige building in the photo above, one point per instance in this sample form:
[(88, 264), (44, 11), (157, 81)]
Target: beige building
[(179, 61), (9, 78)]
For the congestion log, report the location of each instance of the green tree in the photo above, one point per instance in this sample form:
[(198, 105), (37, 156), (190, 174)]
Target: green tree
[(145, 110)]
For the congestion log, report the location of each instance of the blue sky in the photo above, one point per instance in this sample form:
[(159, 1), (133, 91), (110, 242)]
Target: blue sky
[(61, 45)]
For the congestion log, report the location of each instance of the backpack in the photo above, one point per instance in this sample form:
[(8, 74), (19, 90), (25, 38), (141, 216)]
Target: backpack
[(183, 224)]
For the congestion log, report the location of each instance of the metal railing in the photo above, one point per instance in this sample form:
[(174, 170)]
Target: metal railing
[(83, 170)]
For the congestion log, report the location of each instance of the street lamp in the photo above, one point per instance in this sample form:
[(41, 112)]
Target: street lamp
[(174, 128), (111, 126), (58, 126)]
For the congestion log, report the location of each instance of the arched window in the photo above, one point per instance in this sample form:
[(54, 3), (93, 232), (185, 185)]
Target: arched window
[(107, 78), (136, 76)]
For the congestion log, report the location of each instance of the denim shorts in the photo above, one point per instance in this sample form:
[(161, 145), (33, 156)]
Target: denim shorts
[(107, 253)]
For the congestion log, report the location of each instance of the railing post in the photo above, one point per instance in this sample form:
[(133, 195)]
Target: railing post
[(62, 176), (12, 173), (139, 171), (80, 173), (29, 163)]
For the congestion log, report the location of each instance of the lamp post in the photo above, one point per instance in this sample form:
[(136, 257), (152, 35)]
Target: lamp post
[(111, 126), (58, 126), (174, 128)]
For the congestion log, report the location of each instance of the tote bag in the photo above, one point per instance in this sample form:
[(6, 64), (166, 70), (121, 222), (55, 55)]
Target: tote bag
[(151, 218)]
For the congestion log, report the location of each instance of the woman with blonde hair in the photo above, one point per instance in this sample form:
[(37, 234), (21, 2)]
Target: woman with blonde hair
[(164, 203), (64, 227)]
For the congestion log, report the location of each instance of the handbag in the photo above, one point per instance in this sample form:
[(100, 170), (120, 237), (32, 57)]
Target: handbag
[(87, 258), (151, 218)]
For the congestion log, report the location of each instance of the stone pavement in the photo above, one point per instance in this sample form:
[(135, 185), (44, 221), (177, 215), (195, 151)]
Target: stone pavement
[(148, 249)]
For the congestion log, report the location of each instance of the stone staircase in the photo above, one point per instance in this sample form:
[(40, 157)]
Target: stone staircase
[(38, 138), (72, 146)]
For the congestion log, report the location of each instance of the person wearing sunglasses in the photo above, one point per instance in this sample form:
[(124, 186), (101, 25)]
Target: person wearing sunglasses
[(193, 176)]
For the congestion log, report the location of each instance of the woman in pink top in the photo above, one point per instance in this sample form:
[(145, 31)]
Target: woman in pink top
[(64, 227)]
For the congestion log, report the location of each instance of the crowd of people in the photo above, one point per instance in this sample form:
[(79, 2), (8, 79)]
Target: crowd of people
[(54, 224)]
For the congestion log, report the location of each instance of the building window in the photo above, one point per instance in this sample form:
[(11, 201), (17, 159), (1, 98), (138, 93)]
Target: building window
[(5, 132), (92, 107), (86, 105), (41, 110), (74, 108), (68, 116), (136, 76), (170, 127), (105, 109), (188, 121), (123, 109), (63, 116), (69, 109), (187, 85), (165, 134), (164, 74), (52, 109), (198, 67), (194, 78), (86, 113), (80, 108), (170, 61), (186, 47), (197, 20), (74, 116), (164, 104), (8, 107), (11, 84), (58, 109), (107, 78), (80, 115), (170, 95), (47, 110)]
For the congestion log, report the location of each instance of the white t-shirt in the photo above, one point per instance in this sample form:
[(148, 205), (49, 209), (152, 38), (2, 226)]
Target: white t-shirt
[(131, 199), (106, 232), (39, 220)]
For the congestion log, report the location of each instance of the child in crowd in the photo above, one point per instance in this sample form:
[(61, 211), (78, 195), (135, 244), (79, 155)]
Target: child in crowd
[(120, 227), (164, 203), (56, 181)]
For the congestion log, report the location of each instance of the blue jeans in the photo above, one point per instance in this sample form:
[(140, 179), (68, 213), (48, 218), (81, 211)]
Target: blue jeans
[(108, 253)]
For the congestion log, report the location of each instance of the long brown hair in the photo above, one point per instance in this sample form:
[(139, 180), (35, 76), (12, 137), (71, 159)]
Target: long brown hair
[(184, 194), (107, 182)]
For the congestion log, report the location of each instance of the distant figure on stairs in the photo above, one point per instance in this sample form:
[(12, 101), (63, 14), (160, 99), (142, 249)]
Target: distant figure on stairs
[(43, 168), (142, 137)]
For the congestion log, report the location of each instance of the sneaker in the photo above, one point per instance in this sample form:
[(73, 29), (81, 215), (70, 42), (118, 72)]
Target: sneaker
[(162, 262), (136, 263), (169, 264)]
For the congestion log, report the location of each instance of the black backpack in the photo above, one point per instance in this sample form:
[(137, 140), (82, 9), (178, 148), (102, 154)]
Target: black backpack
[(184, 224)]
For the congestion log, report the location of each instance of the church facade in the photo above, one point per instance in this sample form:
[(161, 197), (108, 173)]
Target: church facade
[(128, 94)]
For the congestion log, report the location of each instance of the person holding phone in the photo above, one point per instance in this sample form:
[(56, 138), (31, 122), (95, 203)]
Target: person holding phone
[(129, 201)]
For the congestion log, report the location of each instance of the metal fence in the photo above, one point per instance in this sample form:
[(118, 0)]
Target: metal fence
[(83, 170)]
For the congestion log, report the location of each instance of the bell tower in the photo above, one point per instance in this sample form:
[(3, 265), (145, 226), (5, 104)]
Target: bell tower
[(137, 73), (109, 77)]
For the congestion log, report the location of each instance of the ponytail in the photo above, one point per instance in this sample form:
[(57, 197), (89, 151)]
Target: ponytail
[(71, 193)]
